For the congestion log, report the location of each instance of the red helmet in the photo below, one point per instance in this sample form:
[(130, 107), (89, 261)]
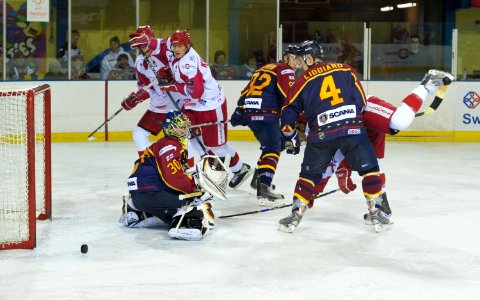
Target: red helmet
[(146, 29), (180, 37)]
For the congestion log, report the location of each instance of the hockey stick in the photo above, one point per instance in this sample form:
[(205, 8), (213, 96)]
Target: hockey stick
[(442, 90), (149, 63), (210, 124), (144, 89), (432, 108), (275, 208)]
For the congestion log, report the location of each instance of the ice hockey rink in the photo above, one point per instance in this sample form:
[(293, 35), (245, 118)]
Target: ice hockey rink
[(431, 252)]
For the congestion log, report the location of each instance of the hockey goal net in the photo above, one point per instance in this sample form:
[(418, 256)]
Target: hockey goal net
[(25, 165)]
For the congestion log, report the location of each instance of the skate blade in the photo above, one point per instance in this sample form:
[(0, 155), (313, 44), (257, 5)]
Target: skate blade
[(381, 228), (267, 202), (249, 173), (286, 228)]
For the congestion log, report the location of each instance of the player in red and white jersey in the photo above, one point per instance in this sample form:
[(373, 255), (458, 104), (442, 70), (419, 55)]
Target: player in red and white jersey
[(204, 102), (160, 103)]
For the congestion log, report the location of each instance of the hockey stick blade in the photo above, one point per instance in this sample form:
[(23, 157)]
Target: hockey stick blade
[(274, 208)]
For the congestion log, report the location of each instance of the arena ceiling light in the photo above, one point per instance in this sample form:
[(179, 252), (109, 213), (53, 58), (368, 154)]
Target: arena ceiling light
[(406, 5), (386, 8)]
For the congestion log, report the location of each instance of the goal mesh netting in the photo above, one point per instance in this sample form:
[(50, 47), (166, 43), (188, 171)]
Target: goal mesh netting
[(24, 163)]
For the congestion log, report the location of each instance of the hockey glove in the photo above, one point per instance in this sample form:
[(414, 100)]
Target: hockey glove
[(174, 87), (292, 143), (345, 182), (133, 99), (139, 40), (237, 118), (166, 76)]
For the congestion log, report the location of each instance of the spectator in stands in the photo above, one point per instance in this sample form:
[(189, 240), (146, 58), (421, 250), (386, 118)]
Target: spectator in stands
[(19, 69), (329, 37), (54, 71), (63, 52), (110, 60), (220, 69), (247, 69), (122, 69), (418, 61), (259, 58), (351, 55), (78, 68), (1, 63)]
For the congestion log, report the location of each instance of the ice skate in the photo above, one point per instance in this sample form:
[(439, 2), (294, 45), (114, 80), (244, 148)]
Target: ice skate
[(435, 78), (289, 223), (266, 197), (255, 178), (240, 176)]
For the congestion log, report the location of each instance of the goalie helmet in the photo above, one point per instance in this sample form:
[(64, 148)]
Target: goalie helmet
[(175, 120), (180, 37)]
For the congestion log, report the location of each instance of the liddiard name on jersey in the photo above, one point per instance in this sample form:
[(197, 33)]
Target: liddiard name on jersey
[(321, 69)]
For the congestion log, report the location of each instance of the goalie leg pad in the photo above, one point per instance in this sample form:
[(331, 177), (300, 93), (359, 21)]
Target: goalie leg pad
[(195, 224)]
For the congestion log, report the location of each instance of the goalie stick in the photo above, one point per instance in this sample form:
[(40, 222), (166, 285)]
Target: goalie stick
[(274, 208), (150, 65), (144, 89)]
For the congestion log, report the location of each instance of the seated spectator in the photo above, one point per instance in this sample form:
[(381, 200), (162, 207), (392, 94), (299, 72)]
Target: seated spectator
[(63, 53), (78, 68), (351, 55), (110, 60), (19, 69), (259, 58), (220, 69), (122, 70), (247, 69), (1, 63), (54, 71)]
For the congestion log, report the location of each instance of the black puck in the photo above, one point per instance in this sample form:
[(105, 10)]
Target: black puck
[(84, 248)]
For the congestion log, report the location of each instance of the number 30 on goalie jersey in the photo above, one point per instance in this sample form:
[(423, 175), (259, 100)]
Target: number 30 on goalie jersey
[(160, 169)]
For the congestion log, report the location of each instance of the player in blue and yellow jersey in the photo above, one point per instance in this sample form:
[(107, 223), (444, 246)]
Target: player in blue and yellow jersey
[(259, 108), (332, 98)]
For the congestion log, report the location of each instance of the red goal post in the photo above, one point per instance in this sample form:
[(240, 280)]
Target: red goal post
[(25, 163)]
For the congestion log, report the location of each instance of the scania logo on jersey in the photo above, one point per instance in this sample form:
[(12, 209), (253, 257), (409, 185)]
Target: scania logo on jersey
[(338, 114), (132, 184), (471, 100), (255, 103)]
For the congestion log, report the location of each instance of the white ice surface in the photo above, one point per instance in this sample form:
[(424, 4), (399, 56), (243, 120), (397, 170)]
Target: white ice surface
[(431, 252)]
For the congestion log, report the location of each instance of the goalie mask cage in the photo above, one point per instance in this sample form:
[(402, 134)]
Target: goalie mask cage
[(25, 164)]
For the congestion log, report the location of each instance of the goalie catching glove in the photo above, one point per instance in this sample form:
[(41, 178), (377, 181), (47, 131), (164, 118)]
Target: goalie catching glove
[(134, 99), (345, 182)]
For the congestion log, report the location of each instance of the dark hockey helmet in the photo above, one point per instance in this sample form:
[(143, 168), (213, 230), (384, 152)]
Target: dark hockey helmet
[(180, 37), (174, 120), (290, 50), (311, 47)]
